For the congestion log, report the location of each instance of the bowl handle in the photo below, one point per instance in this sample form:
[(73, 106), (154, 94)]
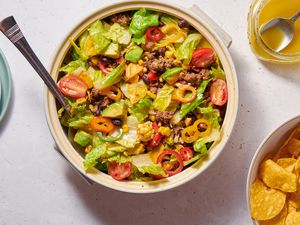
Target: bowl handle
[(87, 180), (227, 40)]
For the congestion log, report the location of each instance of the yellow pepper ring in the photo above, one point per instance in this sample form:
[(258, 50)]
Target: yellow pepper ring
[(183, 89), (190, 134), (113, 93), (173, 33), (206, 126)]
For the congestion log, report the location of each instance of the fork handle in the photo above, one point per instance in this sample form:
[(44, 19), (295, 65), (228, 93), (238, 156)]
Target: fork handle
[(11, 30)]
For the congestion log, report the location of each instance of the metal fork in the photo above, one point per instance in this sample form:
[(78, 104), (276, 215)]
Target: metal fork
[(11, 30)]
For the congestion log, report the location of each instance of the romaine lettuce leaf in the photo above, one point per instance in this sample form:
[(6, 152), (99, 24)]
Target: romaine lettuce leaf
[(141, 109), (96, 31), (200, 145), (163, 98), (141, 20), (73, 65), (218, 73), (80, 119), (130, 138), (186, 49), (118, 34), (212, 115), (119, 158), (112, 78), (134, 92), (154, 169), (91, 158)]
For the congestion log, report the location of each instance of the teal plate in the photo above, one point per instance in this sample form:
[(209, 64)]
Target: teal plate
[(5, 80)]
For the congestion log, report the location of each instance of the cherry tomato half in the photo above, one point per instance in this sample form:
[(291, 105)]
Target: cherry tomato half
[(72, 86), (202, 58), (186, 153), (102, 124), (154, 34), (120, 171), (179, 160), (218, 92)]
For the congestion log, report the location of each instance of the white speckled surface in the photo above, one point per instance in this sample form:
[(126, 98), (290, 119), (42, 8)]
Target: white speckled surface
[(38, 187)]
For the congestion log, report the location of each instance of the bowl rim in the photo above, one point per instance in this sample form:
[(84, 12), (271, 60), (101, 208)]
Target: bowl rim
[(255, 158), (235, 94)]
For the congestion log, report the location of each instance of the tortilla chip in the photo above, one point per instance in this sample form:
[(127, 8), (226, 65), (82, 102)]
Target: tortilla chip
[(293, 218), (276, 177), (265, 203), (277, 220)]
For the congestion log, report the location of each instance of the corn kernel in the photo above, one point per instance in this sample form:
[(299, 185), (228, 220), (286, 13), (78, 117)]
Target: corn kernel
[(165, 131), (152, 118), (88, 149), (125, 128), (188, 121), (145, 69), (168, 54), (140, 62), (81, 100), (177, 62), (94, 60)]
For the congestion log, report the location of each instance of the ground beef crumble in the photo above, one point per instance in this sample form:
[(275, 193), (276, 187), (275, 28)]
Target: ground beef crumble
[(194, 78), (121, 18)]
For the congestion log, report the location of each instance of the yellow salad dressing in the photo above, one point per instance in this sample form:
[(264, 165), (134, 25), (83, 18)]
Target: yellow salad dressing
[(268, 10)]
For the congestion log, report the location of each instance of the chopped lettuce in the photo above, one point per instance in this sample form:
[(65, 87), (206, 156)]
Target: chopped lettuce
[(189, 107), (211, 114), (91, 159), (163, 98), (172, 75), (118, 34), (80, 120), (154, 169), (139, 40), (186, 49), (96, 31), (82, 138), (201, 144), (141, 109), (112, 51), (167, 19), (130, 138), (195, 158), (134, 54), (218, 73), (134, 92), (73, 65), (112, 78), (141, 20), (119, 158), (115, 110)]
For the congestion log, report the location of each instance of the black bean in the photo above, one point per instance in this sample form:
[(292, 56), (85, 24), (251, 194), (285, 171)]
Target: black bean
[(183, 24), (146, 79), (117, 122), (202, 127), (104, 60), (162, 50), (161, 24)]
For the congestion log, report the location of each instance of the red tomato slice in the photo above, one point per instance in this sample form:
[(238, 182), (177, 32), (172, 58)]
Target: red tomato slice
[(218, 92), (154, 34), (72, 86), (120, 171), (202, 58), (186, 153), (178, 157)]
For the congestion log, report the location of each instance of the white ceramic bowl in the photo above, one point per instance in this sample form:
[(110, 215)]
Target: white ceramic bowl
[(209, 32), (270, 144)]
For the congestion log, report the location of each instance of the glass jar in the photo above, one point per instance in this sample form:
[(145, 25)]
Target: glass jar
[(262, 11)]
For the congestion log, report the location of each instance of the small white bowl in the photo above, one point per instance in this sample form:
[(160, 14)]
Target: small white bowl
[(270, 144)]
